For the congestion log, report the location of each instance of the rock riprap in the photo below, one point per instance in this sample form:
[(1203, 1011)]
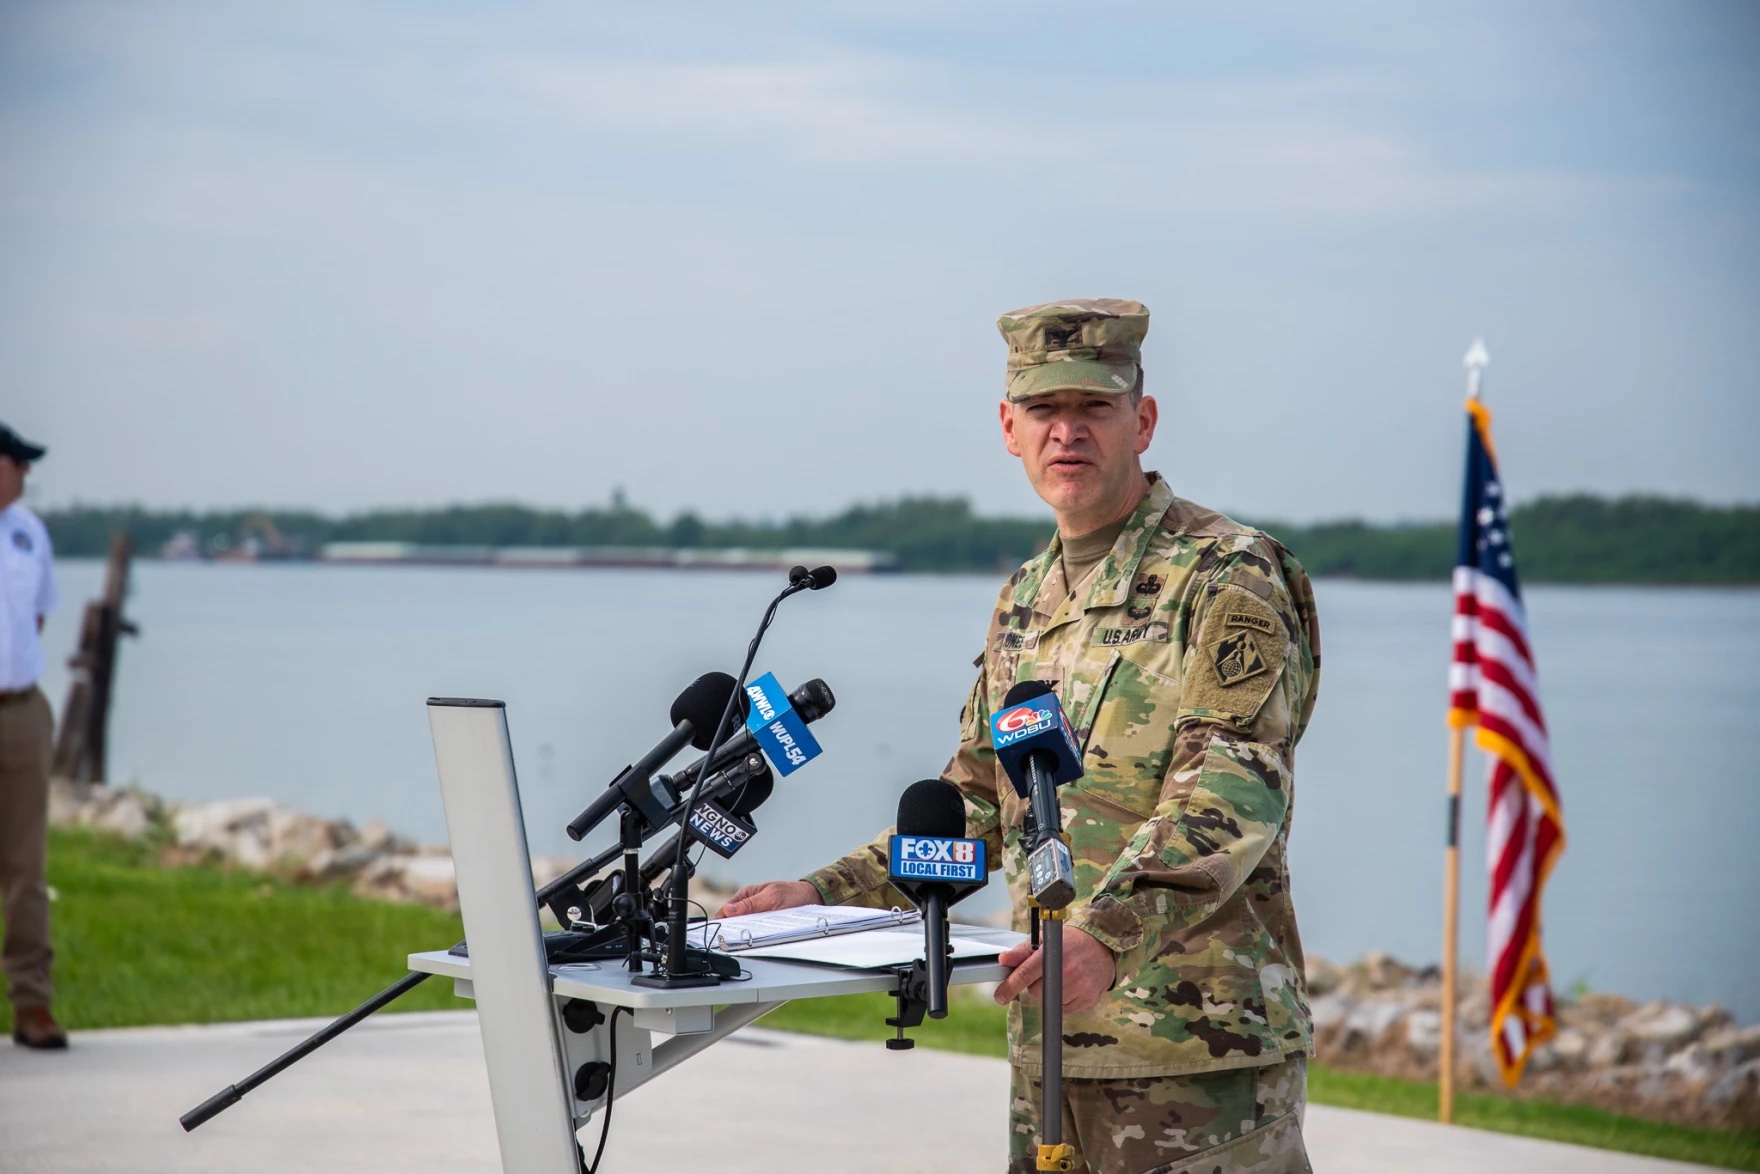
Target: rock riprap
[(1662, 1060)]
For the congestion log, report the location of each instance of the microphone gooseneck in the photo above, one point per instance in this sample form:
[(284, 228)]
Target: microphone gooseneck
[(674, 972)]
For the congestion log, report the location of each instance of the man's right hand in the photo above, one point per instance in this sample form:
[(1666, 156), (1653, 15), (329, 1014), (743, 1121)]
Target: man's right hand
[(770, 895)]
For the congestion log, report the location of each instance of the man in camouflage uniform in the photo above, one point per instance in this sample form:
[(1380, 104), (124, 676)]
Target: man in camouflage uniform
[(1184, 648)]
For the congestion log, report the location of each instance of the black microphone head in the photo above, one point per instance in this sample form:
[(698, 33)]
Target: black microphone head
[(797, 572), (1025, 691), (752, 795), (702, 704), (813, 700), (932, 807), (822, 577)]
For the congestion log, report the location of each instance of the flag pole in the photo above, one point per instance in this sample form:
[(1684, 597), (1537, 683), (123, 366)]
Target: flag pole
[(1475, 362), (1451, 892)]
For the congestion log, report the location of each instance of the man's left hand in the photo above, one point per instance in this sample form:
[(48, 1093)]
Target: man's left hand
[(1088, 969)]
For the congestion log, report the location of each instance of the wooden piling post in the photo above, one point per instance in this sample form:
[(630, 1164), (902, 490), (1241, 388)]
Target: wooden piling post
[(81, 745)]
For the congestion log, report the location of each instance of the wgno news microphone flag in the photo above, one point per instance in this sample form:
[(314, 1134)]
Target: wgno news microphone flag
[(1494, 689)]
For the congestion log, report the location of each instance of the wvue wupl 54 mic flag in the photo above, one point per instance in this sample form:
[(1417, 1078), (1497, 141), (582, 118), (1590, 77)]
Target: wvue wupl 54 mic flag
[(778, 728), (1493, 688)]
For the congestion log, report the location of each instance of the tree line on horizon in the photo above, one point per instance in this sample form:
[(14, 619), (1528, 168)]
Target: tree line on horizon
[(1578, 538)]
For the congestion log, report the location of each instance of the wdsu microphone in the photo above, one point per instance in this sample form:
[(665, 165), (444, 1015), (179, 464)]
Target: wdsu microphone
[(1037, 751), (933, 864), (777, 728), (694, 714)]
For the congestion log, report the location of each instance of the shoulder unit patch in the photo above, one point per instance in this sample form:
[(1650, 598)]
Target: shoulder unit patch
[(1236, 657)]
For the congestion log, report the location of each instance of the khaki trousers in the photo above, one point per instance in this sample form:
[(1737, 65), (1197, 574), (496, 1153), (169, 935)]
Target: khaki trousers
[(1237, 1121), (26, 731)]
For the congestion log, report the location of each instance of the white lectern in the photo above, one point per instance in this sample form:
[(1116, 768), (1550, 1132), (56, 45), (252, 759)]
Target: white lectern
[(532, 1053)]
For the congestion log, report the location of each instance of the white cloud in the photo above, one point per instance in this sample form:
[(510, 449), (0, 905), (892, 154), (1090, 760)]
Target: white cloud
[(828, 112), (1274, 144)]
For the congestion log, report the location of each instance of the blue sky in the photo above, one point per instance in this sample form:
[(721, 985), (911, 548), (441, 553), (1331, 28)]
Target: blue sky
[(746, 259)]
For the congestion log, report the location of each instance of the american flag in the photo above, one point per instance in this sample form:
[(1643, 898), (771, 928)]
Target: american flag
[(1493, 687)]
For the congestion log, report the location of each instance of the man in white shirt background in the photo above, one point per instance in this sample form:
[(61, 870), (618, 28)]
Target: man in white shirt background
[(27, 595)]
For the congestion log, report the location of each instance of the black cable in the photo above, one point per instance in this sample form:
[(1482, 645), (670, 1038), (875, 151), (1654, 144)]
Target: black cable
[(610, 1095), (706, 923)]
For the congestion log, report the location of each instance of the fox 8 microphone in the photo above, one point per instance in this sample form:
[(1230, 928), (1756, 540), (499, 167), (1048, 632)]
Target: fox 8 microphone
[(935, 865)]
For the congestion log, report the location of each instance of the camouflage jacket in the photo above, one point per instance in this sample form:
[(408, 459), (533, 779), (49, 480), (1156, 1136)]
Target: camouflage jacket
[(1188, 670)]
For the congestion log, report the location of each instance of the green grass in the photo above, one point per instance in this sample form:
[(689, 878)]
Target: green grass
[(1576, 1124), (136, 943), (978, 1026)]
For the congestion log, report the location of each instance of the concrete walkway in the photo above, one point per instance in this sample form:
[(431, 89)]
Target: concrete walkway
[(408, 1092)]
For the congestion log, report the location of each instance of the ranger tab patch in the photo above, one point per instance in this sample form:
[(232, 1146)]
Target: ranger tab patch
[(1241, 619)]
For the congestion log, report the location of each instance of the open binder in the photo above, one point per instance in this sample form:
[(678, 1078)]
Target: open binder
[(782, 926)]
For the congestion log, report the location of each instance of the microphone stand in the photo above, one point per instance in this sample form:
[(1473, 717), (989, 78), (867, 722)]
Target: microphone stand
[(1047, 820), (559, 895), (674, 971)]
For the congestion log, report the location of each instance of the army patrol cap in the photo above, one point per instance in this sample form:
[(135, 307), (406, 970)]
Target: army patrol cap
[(1080, 344)]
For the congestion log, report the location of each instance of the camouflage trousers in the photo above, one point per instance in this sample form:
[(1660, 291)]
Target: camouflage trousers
[(1239, 1121)]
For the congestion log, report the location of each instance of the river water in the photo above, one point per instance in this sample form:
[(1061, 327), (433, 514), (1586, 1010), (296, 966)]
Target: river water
[(306, 684)]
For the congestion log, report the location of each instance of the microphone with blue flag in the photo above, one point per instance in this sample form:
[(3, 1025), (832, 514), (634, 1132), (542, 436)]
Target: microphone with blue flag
[(777, 728), (1037, 750), (1031, 724), (780, 730)]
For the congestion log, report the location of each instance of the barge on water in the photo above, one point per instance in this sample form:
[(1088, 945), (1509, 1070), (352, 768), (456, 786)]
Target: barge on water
[(847, 561)]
